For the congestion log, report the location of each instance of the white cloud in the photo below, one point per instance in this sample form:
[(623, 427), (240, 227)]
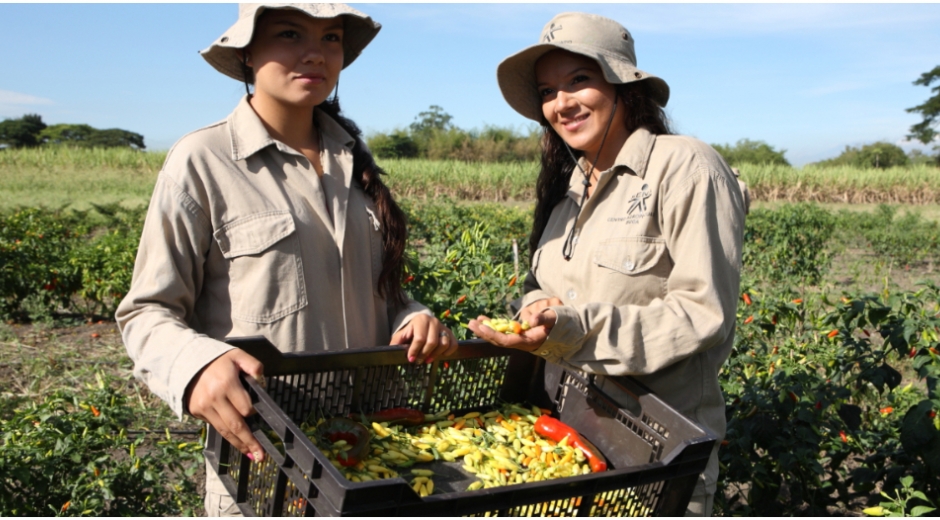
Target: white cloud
[(15, 98)]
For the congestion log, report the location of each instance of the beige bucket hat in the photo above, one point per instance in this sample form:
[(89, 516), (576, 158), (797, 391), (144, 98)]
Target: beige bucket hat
[(359, 30), (599, 38)]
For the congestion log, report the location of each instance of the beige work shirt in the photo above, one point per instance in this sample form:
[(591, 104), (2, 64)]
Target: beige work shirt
[(243, 239), (652, 288)]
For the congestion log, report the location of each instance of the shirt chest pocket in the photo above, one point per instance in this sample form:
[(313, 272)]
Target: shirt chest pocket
[(633, 256), (266, 279)]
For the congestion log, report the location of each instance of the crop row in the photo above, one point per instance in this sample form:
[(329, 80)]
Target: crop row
[(831, 393)]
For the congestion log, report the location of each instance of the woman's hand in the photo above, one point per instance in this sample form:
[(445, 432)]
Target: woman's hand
[(537, 315), (217, 396), (427, 339)]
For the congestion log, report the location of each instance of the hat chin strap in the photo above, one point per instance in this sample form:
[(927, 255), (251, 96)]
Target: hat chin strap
[(568, 249)]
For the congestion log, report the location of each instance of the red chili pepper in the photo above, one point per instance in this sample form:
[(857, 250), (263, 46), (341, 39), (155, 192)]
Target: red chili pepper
[(932, 414), (793, 397), (819, 405), (747, 299), (843, 436), (933, 351), (749, 319), (512, 282), (461, 299), (341, 428), (556, 430), (446, 313), (725, 442), (833, 333), (446, 364), (405, 416), (886, 410), (913, 352), (410, 278), (773, 319)]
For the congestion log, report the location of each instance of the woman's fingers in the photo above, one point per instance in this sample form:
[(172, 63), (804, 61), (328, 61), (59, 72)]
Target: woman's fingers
[(217, 397)]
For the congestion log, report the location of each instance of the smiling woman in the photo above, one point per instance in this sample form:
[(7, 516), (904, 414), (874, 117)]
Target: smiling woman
[(636, 246)]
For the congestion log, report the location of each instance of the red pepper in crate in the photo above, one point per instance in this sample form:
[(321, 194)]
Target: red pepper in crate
[(404, 416), (556, 430), (355, 434)]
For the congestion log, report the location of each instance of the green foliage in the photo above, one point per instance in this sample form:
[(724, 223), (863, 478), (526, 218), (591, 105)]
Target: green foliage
[(433, 136), (902, 240), (30, 130), (464, 270), (817, 414), (788, 243), (70, 455), (88, 137), (55, 261), (396, 145), (876, 155), (21, 132), (930, 109), (746, 151)]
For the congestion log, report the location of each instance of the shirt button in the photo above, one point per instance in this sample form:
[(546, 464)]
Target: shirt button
[(572, 295), (629, 265)]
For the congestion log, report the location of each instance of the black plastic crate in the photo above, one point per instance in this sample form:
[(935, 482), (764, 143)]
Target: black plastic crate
[(654, 454)]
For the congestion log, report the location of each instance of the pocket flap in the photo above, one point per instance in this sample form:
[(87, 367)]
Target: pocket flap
[(253, 234), (630, 255)]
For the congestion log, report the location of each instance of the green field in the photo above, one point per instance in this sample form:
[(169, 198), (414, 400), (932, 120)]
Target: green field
[(56, 177)]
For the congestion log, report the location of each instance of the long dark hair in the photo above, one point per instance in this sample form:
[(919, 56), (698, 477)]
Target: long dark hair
[(393, 220), (640, 111)]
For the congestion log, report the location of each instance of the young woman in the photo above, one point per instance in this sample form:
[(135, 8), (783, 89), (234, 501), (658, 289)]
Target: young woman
[(637, 236), (273, 222)]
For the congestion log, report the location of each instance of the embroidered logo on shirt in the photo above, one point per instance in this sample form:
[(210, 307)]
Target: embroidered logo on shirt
[(638, 200)]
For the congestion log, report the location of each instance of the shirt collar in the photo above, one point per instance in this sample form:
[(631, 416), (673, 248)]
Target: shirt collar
[(249, 135), (633, 157)]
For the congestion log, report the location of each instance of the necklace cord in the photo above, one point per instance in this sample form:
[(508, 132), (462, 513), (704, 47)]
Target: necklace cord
[(568, 249)]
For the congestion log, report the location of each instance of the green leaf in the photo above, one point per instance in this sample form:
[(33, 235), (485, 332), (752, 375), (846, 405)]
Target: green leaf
[(922, 510)]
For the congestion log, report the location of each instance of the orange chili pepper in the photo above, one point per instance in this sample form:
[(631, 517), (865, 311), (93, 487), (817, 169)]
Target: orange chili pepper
[(843, 436), (886, 410), (66, 505), (461, 299), (446, 313), (512, 282), (833, 333), (749, 319), (798, 301), (95, 411), (747, 299)]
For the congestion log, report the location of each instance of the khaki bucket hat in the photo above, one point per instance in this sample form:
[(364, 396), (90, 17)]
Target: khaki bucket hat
[(599, 38), (359, 30)]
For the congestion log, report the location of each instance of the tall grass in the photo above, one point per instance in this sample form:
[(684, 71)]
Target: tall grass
[(54, 177), (908, 185), (422, 178)]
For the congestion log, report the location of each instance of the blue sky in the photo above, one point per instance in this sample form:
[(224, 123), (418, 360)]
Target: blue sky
[(807, 78)]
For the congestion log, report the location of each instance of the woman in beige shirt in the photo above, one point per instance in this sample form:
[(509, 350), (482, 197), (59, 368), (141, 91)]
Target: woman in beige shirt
[(637, 236), (275, 223)]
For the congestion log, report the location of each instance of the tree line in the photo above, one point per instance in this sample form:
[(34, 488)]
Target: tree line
[(30, 130)]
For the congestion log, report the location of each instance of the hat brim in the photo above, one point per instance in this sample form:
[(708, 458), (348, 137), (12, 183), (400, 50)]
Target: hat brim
[(516, 76), (358, 31)]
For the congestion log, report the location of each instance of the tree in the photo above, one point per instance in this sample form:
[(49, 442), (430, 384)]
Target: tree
[(89, 137), (431, 120), (881, 154), (22, 132), (746, 151), (930, 109), (395, 145)]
